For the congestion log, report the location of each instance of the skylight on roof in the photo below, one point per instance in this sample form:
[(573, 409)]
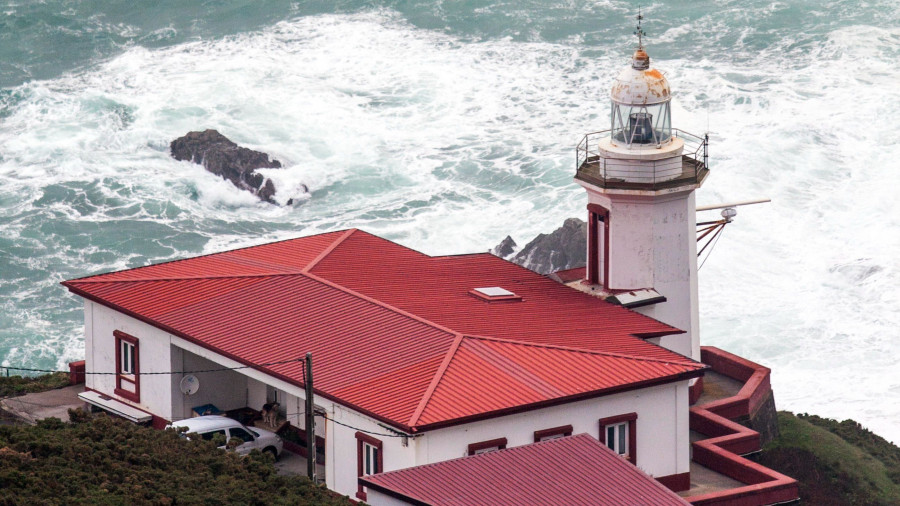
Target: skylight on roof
[(494, 291), (491, 293)]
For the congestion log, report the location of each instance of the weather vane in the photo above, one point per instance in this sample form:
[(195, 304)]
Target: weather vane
[(640, 31)]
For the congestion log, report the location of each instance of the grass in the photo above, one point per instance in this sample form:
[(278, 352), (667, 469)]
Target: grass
[(836, 463)]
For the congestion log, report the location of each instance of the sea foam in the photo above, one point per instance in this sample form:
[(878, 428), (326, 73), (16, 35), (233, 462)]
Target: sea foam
[(447, 144)]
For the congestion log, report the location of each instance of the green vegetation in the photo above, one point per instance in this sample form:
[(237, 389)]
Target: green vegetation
[(18, 385), (102, 460), (836, 463)]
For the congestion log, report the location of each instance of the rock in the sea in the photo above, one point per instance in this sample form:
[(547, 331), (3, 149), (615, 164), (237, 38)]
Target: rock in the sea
[(506, 248), (564, 248), (223, 157)]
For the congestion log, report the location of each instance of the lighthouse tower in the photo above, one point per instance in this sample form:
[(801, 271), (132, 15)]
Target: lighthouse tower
[(640, 177)]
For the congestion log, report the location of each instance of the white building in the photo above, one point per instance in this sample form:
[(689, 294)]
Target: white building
[(417, 359)]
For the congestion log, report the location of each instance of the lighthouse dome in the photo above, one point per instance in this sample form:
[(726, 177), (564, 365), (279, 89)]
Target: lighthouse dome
[(639, 84), (641, 115)]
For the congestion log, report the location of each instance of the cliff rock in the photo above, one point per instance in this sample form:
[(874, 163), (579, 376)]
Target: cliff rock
[(223, 157), (506, 248), (562, 249)]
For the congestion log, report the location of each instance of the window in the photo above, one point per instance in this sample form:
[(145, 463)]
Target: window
[(209, 436), (241, 434), (619, 434), (369, 459), (554, 433), (128, 381), (616, 437), (487, 446), (127, 352)]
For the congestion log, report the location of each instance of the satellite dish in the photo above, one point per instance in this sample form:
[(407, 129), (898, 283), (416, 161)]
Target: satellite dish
[(189, 384)]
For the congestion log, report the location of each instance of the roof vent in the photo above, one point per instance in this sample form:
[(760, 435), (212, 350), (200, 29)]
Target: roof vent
[(492, 293)]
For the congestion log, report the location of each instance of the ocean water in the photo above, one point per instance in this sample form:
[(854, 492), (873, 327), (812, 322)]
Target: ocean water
[(446, 126)]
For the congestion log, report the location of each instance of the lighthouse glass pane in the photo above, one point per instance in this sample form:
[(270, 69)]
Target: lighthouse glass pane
[(641, 124)]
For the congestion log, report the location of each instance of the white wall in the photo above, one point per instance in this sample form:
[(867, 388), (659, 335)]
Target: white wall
[(342, 477), (153, 353), (662, 428), (376, 498), (653, 244)]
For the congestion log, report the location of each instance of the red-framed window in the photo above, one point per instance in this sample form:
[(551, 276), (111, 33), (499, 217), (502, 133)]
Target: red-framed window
[(128, 366), (487, 446), (619, 433), (369, 459), (554, 433)]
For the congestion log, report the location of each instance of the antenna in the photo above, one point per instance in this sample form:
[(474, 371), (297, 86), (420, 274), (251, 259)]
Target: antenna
[(640, 31)]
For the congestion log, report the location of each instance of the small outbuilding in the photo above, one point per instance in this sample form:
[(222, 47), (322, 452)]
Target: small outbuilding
[(569, 470)]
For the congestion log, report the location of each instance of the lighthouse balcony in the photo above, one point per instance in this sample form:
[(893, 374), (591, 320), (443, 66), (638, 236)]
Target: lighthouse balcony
[(641, 170)]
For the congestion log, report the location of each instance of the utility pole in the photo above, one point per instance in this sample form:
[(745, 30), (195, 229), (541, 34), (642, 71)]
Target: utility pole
[(310, 422)]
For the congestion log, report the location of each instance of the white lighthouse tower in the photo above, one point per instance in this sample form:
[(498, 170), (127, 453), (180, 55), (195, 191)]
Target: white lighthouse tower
[(640, 177)]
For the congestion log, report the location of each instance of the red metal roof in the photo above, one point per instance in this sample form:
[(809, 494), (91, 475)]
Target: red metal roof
[(391, 329), (281, 257), (572, 470), (437, 289), (487, 375)]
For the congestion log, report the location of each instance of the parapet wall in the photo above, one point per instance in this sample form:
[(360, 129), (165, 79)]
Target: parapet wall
[(727, 439)]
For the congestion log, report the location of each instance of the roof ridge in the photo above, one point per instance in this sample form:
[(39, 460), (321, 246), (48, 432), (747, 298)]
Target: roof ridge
[(583, 350), (435, 380), (86, 278), (181, 278), (327, 251), (377, 302)]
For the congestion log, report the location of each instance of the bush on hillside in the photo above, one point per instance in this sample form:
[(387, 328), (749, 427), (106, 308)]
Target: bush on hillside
[(19, 385), (854, 433), (843, 466), (102, 460)]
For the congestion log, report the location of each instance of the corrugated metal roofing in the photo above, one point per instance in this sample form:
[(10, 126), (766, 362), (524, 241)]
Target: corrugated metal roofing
[(487, 375), (436, 288), (572, 470), (281, 257), (385, 325)]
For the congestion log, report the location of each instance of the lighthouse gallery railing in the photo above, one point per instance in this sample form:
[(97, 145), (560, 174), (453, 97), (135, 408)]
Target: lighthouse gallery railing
[(589, 164)]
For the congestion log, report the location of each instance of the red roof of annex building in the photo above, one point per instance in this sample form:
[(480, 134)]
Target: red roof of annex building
[(396, 333), (572, 470)]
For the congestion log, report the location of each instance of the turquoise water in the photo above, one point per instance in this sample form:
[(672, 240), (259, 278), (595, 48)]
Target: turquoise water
[(446, 126)]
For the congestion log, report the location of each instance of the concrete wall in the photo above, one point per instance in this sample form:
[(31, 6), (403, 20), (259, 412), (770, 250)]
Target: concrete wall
[(223, 389), (662, 428)]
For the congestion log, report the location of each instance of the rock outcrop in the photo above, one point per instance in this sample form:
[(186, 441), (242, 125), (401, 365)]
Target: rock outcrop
[(223, 157), (562, 249), (506, 248)]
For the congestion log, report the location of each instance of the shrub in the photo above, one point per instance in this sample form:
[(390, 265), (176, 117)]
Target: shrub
[(102, 460)]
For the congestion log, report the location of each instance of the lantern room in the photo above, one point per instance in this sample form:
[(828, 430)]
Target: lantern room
[(641, 114)]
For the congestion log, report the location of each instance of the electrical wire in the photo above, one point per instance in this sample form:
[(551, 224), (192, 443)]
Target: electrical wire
[(29, 369), (715, 241), (364, 430)]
